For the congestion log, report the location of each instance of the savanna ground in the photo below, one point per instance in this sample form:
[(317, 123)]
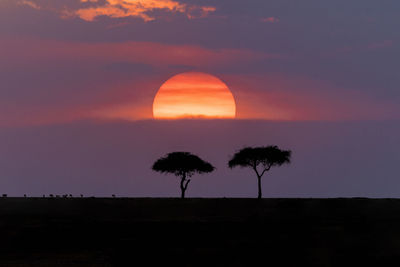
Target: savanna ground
[(199, 232)]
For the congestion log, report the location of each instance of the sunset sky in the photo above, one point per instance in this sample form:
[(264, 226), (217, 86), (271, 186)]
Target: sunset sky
[(78, 80)]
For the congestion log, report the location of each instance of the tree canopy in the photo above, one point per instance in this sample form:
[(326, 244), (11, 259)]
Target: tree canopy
[(182, 163), (266, 156)]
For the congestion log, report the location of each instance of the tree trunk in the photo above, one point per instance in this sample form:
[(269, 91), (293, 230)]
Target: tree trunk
[(183, 193), (183, 189), (259, 187), (184, 185)]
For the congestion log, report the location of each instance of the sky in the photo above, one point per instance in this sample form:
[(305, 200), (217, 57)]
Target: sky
[(78, 79)]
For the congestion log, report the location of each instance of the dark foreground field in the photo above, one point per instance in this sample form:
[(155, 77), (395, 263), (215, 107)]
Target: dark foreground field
[(199, 232)]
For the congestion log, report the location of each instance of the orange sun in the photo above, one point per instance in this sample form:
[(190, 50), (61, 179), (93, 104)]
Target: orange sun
[(194, 95)]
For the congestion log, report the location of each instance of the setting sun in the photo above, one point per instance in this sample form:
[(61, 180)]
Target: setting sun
[(194, 95)]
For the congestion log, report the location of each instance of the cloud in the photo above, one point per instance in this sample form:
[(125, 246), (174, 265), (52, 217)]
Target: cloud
[(117, 25), (107, 80), (77, 80), (280, 96), (269, 20), (90, 10), (30, 4), (20, 51), (379, 45)]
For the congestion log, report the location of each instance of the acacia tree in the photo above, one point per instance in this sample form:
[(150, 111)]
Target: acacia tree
[(260, 159), (183, 165)]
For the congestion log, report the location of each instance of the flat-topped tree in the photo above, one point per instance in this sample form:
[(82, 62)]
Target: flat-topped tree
[(183, 165), (260, 159)]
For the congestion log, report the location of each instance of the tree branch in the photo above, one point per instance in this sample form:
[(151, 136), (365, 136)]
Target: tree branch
[(186, 184), (255, 169), (265, 170)]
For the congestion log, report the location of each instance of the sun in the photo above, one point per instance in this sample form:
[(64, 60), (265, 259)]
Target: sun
[(194, 95)]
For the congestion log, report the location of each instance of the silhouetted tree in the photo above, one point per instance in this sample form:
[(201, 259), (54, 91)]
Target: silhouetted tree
[(260, 159), (183, 165)]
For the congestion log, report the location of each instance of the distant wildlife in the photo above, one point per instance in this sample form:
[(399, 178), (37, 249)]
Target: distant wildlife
[(260, 159), (183, 165)]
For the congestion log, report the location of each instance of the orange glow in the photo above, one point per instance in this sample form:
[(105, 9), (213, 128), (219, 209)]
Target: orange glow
[(194, 95), (135, 8)]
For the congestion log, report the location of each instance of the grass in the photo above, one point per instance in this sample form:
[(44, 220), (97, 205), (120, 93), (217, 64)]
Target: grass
[(198, 232)]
